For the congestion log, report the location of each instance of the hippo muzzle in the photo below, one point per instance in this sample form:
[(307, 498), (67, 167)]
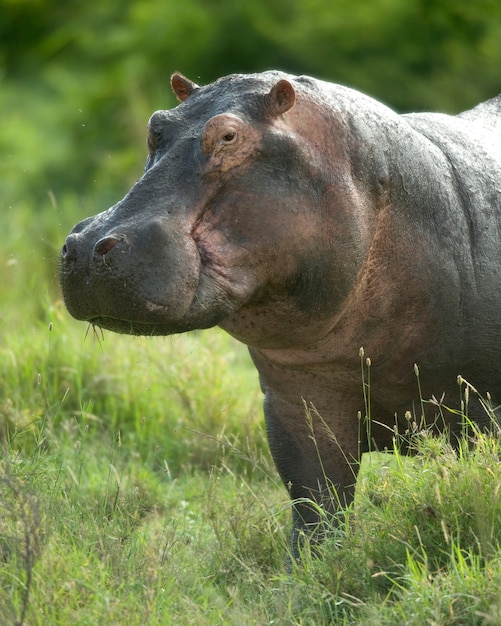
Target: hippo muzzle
[(138, 279)]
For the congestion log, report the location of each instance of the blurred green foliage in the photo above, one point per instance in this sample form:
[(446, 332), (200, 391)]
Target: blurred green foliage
[(78, 80)]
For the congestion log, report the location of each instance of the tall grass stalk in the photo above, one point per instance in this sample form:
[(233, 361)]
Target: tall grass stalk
[(365, 366)]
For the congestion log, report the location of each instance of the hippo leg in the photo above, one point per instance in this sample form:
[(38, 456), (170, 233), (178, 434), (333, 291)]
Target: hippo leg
[(317, 464)]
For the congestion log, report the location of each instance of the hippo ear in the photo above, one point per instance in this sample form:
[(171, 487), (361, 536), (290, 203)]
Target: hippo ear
[(281, 98), (182, 86)]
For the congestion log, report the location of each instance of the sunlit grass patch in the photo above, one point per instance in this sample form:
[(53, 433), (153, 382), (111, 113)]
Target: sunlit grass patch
[(89, 535), (176, 398)]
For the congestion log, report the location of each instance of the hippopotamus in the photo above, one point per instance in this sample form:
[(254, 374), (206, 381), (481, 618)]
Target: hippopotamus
[(332, 236)]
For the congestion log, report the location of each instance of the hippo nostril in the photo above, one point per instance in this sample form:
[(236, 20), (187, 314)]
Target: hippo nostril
[(105, 245), (68, 251)]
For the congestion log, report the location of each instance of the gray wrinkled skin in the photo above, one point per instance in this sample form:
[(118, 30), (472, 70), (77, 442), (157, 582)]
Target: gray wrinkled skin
[(308, 220)]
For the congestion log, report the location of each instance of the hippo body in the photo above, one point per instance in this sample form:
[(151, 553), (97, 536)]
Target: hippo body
[(308, 221)]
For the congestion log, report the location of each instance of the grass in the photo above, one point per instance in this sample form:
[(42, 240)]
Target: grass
[(111, 505), (136, 487)]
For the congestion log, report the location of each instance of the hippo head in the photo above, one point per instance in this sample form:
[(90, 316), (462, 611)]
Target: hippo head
[(227, 226)]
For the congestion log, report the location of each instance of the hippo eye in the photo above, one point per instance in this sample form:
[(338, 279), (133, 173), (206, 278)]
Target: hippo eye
[(221, 132), (229, 137)]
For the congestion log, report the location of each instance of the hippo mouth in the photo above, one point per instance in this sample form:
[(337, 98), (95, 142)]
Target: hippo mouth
[(128, 327), (125, 327)]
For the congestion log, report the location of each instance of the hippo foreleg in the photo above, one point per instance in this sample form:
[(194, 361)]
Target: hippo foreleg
[(318, 466)]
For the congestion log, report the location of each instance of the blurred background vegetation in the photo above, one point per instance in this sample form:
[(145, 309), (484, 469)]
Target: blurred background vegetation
[(78, 81)]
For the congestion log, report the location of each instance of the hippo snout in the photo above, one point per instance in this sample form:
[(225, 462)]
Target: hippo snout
[(138, 277)]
